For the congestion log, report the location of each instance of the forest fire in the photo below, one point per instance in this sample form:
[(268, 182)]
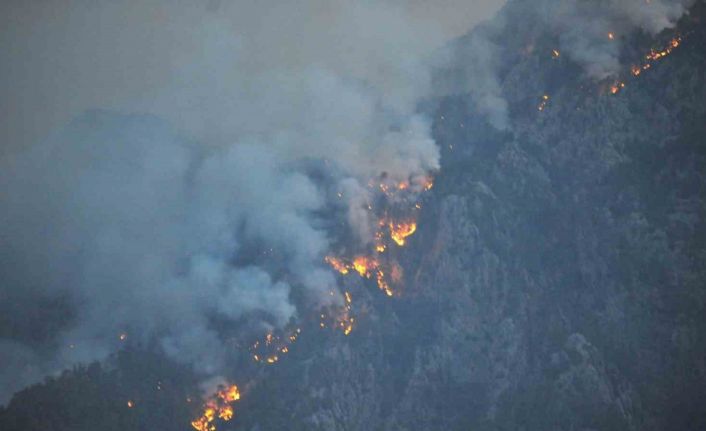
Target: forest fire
[(543, 104), (616, 87), (400, 231), (272, 347), (427, 183), (339, 317), (399, 199), (365, 266), (656, 55), (345, 320), (652, 57), (413, 186), (218, 406), (337, 264)]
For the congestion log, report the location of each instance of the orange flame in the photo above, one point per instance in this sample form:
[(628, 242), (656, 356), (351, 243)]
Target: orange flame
[(217, 406), (653, 56), (337, 264), (543, 103), (400, 231), (427, 183), (273, 346), (383, 284), (364, 266), (616, 87)]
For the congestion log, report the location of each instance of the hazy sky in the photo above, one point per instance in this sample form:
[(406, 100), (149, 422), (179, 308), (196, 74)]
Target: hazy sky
[(188, 60)]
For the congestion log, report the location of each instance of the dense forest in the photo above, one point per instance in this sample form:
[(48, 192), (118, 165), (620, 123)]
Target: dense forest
[(557, 280)]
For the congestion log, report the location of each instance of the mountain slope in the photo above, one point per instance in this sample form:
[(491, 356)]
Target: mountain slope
[(557, 278)]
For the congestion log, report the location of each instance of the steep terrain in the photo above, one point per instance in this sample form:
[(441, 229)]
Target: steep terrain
[(557, 280)]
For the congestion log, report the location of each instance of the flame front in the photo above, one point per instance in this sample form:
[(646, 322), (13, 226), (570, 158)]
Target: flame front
[(400, 231), (216, 406), (365, 266), (399, 198), (656, 55), (651, 58)]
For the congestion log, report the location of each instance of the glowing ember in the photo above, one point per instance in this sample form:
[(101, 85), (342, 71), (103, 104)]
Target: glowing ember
[(543, 103), (652, 57), (656, 55), (130, 404), (344, 320), (555, 53), (366, 267), (427, 183), (218, 406), (382, 283), (616, 87), (270, 349), (339, 317), (122, 337), (611, 35)]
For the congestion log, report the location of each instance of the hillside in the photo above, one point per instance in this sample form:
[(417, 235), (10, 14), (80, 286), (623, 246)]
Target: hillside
[(557, 280)]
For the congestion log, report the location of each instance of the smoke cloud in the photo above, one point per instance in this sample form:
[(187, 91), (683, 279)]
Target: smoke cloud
[(151, 176), (584, 27)]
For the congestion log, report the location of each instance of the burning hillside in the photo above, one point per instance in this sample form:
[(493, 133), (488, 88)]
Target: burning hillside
[(375, 261), (615, 86), (218, 407), (396, 216), (656, 55)]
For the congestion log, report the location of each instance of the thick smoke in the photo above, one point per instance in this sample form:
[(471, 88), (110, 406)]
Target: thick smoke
[(158, 224), (481, 57), (584, 27)]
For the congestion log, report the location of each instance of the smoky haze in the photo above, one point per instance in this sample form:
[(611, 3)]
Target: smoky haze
[(582, 29), (150, 161)]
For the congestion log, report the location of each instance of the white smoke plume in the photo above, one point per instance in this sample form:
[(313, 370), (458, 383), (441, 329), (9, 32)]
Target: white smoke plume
[(582, 28), (179, 201)]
